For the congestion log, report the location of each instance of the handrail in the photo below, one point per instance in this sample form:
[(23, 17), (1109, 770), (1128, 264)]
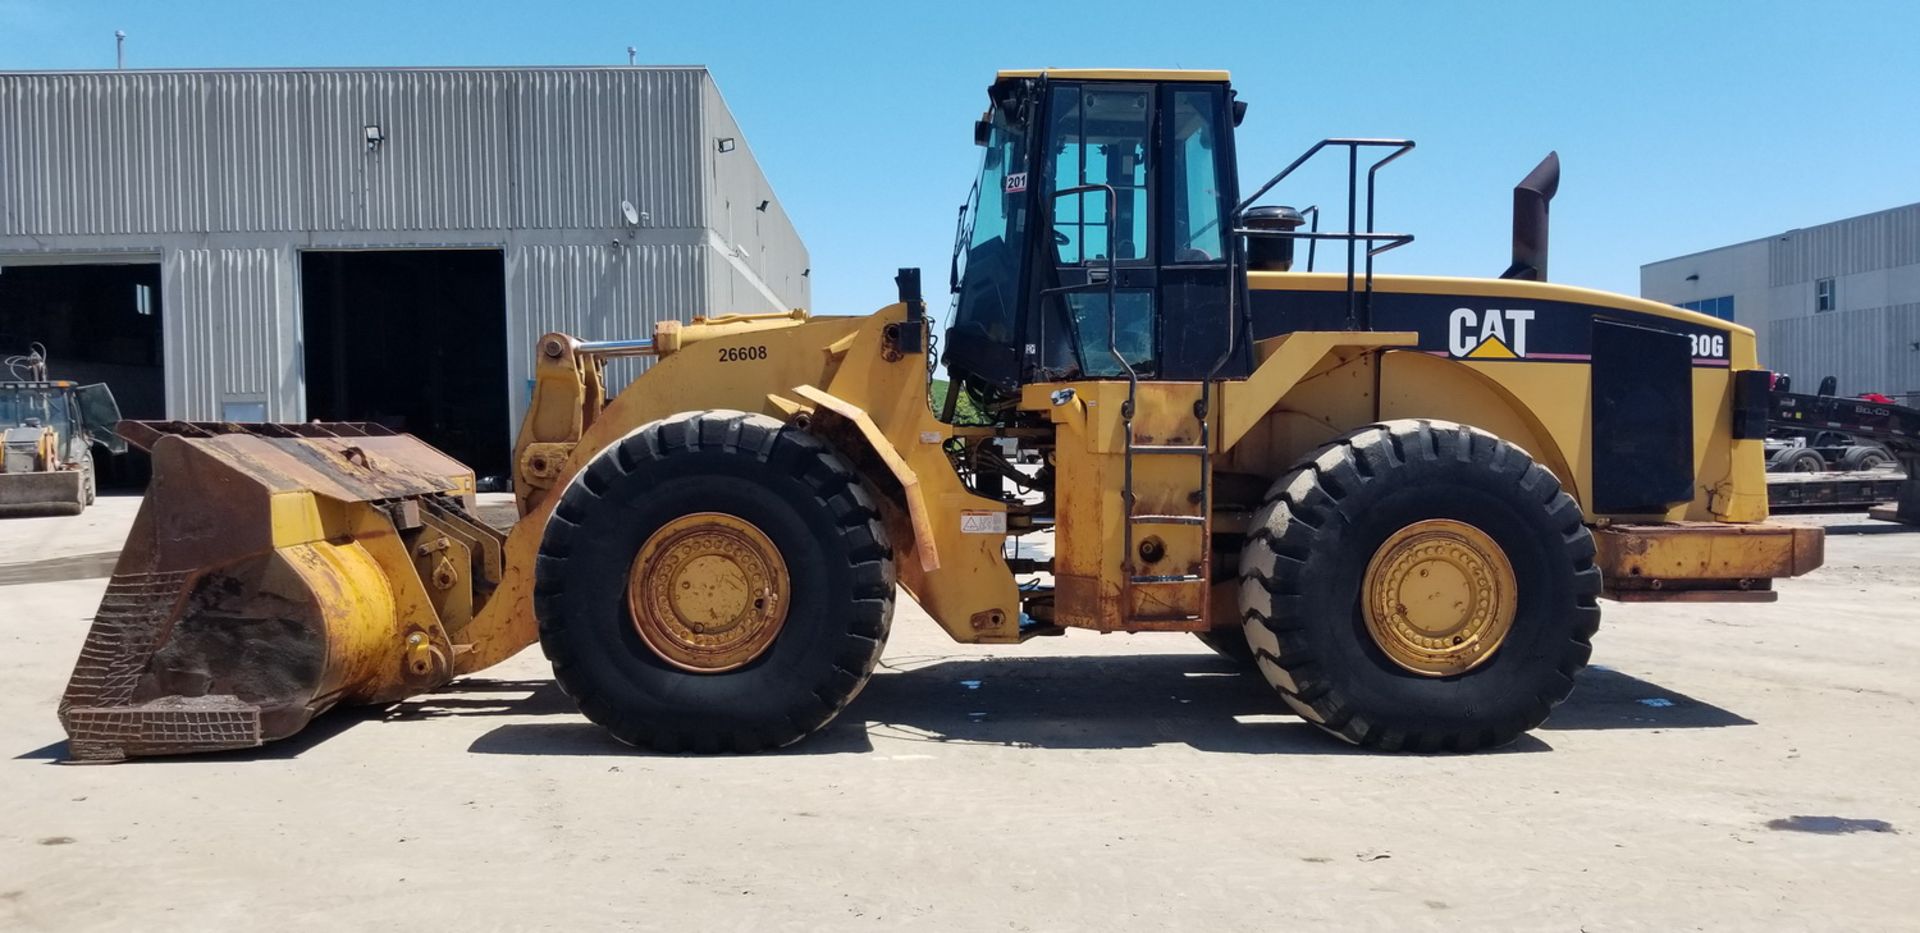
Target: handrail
[(1313, 242), (1113, 345), (1352, 144), (1377, 242)]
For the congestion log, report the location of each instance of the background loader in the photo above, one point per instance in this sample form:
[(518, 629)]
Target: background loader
[(1399, 498), (49, 429)]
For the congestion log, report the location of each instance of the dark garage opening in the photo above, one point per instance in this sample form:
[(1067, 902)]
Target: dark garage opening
[(415, 340), (100, 323)]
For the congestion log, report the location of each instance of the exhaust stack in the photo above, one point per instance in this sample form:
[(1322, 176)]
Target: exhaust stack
[(1530, 199)]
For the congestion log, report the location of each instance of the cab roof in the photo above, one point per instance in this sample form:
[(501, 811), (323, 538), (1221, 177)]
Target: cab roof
[(1114, 74)]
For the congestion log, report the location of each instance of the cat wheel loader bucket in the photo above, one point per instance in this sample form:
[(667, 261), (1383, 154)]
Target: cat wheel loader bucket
[(272, 572)]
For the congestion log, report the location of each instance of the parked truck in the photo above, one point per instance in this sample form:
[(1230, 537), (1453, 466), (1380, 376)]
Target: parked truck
[(1887, 483)]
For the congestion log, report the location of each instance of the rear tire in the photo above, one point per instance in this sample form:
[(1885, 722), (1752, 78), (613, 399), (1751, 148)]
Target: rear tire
[(1864, 457), (783, 482), (1313, 549)]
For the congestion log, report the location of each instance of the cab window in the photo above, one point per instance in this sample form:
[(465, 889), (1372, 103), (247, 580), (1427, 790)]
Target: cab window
[(1099, 137), (987, 254), (1197, 233)]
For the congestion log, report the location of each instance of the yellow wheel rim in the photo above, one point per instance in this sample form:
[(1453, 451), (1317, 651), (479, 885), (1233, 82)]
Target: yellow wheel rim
[(708, 592), (1439, 597)]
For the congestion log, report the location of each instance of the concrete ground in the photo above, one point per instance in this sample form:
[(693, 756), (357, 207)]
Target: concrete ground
[(1720, 767)]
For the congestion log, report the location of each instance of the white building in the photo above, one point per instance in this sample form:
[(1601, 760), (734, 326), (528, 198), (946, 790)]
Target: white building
[(380, 245), (1841, 299)]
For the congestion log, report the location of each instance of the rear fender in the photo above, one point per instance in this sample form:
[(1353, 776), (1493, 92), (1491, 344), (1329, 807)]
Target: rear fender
[(1284, 362), (1311, 387), (1420, 385)]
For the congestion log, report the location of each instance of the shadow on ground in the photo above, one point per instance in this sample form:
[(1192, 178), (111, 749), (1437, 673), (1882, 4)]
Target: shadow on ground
[(56, 569), (1131, 701), (472, 696), (1607, 699), (1095, 702), (318, 732)]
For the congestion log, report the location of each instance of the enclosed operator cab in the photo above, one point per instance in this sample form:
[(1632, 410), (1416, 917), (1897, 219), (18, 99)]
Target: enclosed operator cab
[(1086, 176)]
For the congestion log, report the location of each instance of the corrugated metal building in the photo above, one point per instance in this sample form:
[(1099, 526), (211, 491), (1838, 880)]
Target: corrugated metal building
[(1841, 299), (275, 243)]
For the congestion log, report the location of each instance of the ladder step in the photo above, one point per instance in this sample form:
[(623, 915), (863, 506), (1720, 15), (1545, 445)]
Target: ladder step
[(1186, 450), (1152, 580), (1167, 519)]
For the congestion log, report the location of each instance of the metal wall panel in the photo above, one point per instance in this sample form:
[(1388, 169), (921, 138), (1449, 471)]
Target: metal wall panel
[(584, 140), (1870, 350), (597, 293), (107, 153), (763, 266), (99, 153), (224, 316), (255, 153), (1858, 244), (442, 163)]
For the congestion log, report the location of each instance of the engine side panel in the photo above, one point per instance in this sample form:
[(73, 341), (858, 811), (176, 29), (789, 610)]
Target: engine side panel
[(1518, 358)]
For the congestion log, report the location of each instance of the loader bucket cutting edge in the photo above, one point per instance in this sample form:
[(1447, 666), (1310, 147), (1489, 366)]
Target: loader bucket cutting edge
[(61, 492), (268, 576)]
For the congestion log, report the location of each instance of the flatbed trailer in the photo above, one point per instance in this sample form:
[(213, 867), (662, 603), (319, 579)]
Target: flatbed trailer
[(1889, 496), (1833, 490)]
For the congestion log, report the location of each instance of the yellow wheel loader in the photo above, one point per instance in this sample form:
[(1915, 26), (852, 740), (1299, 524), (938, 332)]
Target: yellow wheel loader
[(1397, 498), (49, 429)]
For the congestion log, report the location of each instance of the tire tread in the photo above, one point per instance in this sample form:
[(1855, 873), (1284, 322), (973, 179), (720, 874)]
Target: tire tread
[(1307, 500), (835, 487)]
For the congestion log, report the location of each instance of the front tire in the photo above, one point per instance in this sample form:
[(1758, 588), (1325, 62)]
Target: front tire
[(713, 582), (1420, 585)]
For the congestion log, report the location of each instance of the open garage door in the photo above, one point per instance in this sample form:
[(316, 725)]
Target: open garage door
[(100, 322), (415, 340)]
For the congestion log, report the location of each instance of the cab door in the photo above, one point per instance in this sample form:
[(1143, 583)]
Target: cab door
[(99, 416), (1202, 332), (1099, 155), (1140, 184)]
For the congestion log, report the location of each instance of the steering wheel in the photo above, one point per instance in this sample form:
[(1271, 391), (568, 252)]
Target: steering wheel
[(1061, 239)]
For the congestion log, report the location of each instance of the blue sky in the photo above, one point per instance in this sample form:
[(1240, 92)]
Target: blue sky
[(1681, 126)]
